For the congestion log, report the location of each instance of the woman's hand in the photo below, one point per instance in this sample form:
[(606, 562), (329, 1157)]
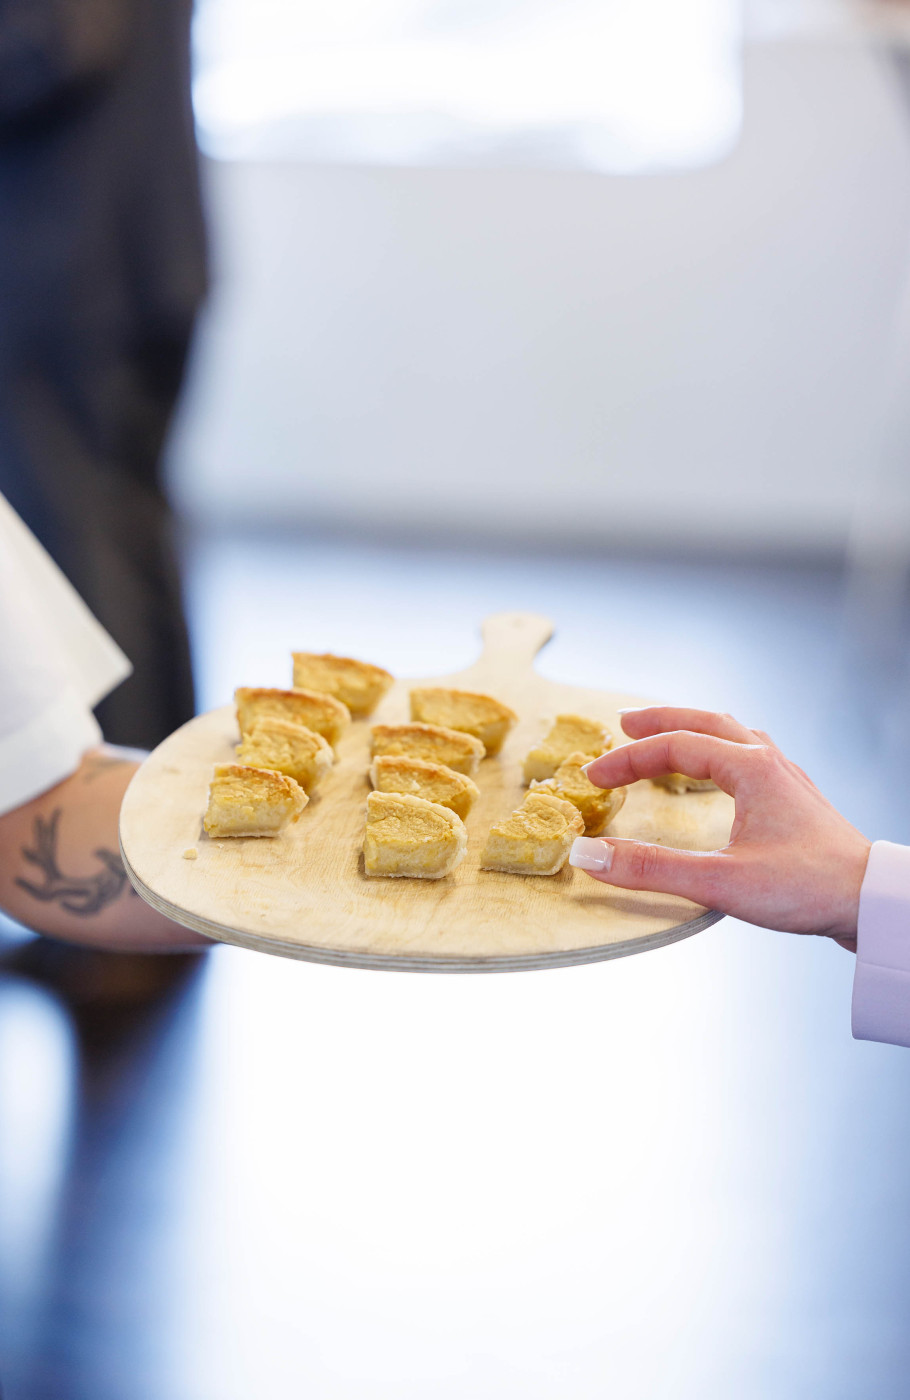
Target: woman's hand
[(793, 862)]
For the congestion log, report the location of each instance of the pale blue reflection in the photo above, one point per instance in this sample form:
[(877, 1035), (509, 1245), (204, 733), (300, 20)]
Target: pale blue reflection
[(37, 1067), (507, 1168)]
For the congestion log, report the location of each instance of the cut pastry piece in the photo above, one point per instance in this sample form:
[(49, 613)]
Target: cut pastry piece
[(597, 806), (409, 837), (432, 742), (288, 748), (356, 684), (570, 734), (487, 719), (535, 839), (432, 781), (678, 782), (307, 707), (251, 801)]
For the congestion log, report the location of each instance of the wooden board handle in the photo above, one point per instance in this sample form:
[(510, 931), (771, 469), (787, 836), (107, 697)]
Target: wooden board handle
[(511, 640)]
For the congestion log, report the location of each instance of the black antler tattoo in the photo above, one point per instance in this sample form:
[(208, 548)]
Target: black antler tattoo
[(78, 894)]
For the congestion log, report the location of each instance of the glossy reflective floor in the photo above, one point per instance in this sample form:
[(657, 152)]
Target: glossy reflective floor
[(674, 1177)]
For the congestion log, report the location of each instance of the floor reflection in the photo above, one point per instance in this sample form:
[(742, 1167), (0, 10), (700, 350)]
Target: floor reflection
[(124, 1031)]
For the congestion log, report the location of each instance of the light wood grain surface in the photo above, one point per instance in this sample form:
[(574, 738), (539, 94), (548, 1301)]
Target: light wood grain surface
[(304, 894)]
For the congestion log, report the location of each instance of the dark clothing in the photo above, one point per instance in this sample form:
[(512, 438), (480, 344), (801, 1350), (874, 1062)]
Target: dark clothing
[(102, 268)]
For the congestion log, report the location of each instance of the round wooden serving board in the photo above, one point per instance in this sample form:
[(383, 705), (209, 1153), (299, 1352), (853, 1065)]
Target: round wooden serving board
[(304, 895)]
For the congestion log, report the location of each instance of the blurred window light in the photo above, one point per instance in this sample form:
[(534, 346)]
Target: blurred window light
[(610, 85)]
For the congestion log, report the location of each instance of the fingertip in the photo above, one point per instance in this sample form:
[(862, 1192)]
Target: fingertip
[(592, 772), (591, 853), (639, 721), (628, 716), (603, 876)]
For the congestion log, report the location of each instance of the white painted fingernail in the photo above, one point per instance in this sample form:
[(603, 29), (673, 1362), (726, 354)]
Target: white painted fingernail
[(588, 853), (630, 709)]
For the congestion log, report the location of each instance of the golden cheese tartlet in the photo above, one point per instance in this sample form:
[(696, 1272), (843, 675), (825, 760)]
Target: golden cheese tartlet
[(535, 839), (247, 801), (434, 782), (597, 806), (408, 837), (327, 716), (487, 719), (288, 748), (432, 742), (570, 734), (356, 684)]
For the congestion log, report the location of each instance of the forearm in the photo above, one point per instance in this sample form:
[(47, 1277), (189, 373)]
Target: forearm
[(60, 867)]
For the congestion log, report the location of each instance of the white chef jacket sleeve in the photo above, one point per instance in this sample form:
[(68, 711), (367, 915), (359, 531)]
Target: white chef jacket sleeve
[(56, 663), (881, 982)]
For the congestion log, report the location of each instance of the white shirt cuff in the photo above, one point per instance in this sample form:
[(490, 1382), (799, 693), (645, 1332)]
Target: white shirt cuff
[(881, 983), (47, 750)]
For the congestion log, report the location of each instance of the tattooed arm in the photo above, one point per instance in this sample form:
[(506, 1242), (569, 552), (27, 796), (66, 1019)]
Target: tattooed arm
[(60, 866)]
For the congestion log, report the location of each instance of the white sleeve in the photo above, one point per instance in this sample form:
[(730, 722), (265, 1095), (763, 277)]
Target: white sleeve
[(881, 982), (56, 663)]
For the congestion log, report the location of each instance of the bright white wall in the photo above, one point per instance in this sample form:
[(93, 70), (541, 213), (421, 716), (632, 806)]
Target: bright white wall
[(689, 357)]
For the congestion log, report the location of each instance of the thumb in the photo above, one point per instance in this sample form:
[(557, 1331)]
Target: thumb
[(638, 865)]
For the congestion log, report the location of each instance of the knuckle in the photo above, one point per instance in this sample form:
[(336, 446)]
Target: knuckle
[(768, 766), (644, 861)]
